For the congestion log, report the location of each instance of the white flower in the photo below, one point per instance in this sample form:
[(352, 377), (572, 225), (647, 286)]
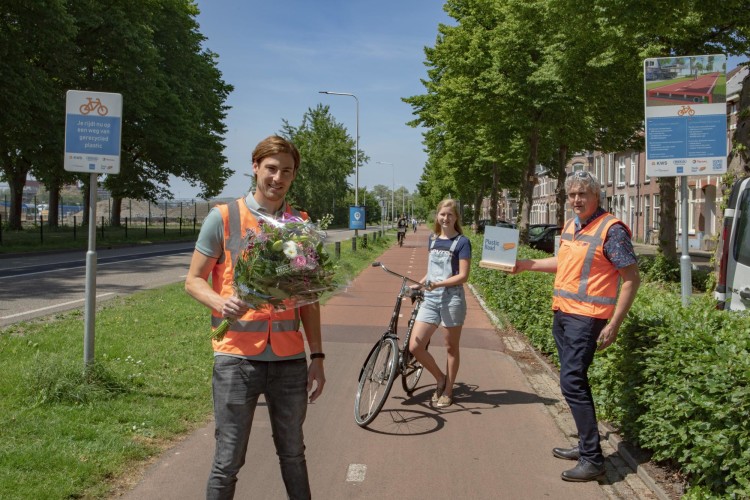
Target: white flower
[(290, 249)]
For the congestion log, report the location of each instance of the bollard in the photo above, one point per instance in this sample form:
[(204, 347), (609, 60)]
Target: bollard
[(364, 240), (338, 250), (102, 226), (74, 226), (354, 244), (126, 228)]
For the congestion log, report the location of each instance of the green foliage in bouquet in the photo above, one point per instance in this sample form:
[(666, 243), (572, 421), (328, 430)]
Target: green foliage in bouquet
[(284, 264)]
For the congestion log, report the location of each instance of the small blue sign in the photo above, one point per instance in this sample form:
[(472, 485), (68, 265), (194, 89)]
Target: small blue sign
[(357, 217)]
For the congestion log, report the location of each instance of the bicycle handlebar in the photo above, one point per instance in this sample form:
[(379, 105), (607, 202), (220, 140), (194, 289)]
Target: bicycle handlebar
[(379, 264)]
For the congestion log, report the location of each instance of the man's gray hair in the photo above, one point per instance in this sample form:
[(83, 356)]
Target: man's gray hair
[(584, 179)]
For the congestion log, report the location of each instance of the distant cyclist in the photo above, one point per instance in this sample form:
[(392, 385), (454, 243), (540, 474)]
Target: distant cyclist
[(402, 225), (414, 224)]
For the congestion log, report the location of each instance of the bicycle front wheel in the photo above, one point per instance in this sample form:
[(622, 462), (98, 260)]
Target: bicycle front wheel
[(411, 373), (375, 381)]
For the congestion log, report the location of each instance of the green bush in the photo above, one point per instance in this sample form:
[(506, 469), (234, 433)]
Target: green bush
[(676, 382), (659, 269)]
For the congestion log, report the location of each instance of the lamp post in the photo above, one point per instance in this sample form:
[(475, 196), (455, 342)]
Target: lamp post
[(393, 185), (356, 149)]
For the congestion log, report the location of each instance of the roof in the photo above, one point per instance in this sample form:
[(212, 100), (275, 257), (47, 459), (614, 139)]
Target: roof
[(735, 79)]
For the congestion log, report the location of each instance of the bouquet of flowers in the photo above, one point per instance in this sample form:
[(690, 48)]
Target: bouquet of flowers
[(283, 264)]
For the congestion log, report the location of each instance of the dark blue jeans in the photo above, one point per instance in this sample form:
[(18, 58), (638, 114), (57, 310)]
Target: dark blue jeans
[(575, 337), (237, 383)]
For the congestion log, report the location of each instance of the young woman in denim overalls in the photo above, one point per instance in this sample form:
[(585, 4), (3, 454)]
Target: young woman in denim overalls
[(445, 302)]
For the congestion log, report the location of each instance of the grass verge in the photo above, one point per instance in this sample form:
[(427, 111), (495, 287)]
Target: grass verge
[(69, 434)]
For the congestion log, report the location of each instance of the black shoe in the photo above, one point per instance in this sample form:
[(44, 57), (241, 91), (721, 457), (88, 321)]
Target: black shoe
[(567, 453), (584, 471)]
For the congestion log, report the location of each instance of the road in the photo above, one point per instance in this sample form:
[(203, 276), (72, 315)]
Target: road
[(40, 284)]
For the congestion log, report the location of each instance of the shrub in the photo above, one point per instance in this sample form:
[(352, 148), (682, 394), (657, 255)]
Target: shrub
[(676, 382)]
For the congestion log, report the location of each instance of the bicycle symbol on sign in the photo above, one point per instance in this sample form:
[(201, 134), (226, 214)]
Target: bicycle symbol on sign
[(686, 110), (93, 105)]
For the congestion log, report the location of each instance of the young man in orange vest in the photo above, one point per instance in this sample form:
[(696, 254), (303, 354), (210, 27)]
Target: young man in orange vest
[(262, 353), (595, 255)]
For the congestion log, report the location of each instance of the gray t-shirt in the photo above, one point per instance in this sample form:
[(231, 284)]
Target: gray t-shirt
[(211, 244)]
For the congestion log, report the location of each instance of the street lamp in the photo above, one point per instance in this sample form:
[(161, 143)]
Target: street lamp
[(356, 146), (393, 185)]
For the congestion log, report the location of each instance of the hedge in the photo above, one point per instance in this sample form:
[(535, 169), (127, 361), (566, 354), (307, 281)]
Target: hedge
[(676, 382)]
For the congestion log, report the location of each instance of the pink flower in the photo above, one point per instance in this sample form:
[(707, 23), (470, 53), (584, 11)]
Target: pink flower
[(299, 262)]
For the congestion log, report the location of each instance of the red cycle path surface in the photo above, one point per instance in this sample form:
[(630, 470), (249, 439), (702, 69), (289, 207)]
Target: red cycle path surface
[(702, 86), (494, 442)]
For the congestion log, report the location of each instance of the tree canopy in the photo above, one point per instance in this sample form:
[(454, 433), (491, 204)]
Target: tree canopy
[(519, 84), (150, 52)]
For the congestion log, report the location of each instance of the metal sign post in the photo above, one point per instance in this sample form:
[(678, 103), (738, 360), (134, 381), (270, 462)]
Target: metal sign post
[(92, 145), (686, 129)]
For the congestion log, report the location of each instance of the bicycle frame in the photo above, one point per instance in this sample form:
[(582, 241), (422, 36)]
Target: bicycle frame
[(378, 373), (392, 330)]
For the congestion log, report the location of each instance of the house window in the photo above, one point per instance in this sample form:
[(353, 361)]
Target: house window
[(621, 171), (611, 168), (633, 168), (599, 168), (657, 211), (577, 167)]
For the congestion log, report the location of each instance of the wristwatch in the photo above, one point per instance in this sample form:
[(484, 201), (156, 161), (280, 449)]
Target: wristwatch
[(316, 355)]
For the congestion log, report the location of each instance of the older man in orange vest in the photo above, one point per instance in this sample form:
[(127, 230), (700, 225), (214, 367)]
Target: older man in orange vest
[(263, 352), (595, 257)]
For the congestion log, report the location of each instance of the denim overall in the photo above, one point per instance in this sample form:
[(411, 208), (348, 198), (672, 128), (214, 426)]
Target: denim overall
[(446, 305)]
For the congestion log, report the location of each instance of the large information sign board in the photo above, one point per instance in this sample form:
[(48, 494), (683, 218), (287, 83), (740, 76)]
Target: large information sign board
[(686, 121), (93, 122), (357, 217)]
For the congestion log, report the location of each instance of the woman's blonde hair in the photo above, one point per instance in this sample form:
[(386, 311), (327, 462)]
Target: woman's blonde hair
[(448, 203)]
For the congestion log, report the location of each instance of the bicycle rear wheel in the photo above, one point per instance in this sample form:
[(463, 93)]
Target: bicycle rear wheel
[(375, 381), (412, 372)]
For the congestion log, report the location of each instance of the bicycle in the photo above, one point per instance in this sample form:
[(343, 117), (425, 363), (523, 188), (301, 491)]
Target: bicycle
[(93, 105), (401, 236), (686, 110), (386, 359)]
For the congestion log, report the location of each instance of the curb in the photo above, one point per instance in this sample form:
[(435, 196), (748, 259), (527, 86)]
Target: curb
[(607, 432)]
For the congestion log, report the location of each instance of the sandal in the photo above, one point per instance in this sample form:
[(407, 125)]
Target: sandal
[(444, 401), (438, 392)]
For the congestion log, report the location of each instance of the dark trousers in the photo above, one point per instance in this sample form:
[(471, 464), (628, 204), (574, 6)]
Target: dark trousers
[(575, 337), (237, 384)]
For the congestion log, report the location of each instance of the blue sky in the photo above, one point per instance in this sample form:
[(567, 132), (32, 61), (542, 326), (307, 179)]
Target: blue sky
[(278, 55)]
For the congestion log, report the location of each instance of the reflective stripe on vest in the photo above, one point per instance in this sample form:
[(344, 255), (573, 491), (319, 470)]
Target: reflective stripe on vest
[(249, 335), (586, 282)]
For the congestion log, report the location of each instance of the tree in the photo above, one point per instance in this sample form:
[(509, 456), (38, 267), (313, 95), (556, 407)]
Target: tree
[(35, 39), (327, 153), (173, 94)]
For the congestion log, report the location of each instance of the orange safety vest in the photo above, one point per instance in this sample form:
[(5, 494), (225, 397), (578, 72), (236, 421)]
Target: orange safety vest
[(586, 283), (249, 335)]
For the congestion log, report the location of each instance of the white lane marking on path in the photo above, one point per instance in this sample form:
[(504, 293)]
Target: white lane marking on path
[(52, 307), (355, 473)]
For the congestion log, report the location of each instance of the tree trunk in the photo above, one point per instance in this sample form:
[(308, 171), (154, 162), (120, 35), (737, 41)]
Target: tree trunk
[(53, 208), (493, 195), (117, 212), (16, 182), (86, 198), (478, 197), (527, 188), (560, 196), (668, 223)]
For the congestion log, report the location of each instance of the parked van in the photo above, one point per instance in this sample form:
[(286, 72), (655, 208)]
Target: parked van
[(733, 287)]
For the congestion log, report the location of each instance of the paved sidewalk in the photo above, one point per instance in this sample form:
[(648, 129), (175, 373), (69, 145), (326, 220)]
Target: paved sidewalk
[(494, 442)]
